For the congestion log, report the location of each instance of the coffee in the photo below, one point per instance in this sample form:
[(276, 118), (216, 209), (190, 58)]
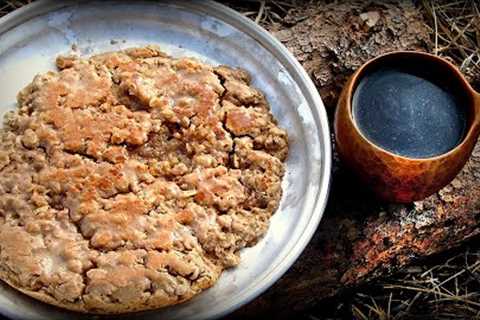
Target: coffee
[(409, 112)]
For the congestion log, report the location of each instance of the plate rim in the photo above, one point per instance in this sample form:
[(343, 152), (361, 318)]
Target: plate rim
[(295, 70)]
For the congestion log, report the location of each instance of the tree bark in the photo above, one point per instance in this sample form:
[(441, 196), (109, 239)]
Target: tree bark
[(360, 238)]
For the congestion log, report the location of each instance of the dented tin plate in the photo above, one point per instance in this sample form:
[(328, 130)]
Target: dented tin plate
[(31, 38)]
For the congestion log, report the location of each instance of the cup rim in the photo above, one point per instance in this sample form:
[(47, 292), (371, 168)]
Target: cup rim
[(438, 59)]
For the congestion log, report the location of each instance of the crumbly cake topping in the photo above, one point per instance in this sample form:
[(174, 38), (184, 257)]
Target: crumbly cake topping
[(130, 180)]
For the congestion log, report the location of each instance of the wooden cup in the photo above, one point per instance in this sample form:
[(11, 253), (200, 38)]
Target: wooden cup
[(398, 178)]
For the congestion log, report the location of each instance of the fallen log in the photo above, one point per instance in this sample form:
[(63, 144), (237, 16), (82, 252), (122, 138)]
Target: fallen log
[(360, 238)]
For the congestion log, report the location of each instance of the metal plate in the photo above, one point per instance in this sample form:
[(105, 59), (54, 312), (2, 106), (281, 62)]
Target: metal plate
[(31, 38)]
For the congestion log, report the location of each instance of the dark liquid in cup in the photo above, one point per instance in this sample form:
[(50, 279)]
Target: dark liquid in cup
[(408, 113)]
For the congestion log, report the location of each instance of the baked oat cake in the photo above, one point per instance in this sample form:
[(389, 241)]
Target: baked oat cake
[(130, 180)]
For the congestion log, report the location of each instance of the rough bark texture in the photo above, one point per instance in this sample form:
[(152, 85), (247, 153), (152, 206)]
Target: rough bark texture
[(333, 40), (360, 238)]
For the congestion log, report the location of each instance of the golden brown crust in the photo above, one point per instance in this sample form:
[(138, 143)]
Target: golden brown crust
[(130, 180)]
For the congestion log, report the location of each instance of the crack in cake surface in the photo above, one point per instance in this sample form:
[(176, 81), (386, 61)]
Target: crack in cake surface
[(131, 179)]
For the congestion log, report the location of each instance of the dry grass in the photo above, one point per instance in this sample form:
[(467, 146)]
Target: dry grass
[(446, 288), (264, 12), (455, 29), (443, 287), (6, 6)]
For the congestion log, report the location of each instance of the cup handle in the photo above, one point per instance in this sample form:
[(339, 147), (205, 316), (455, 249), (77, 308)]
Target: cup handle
[(476, 97), (476, 104)]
